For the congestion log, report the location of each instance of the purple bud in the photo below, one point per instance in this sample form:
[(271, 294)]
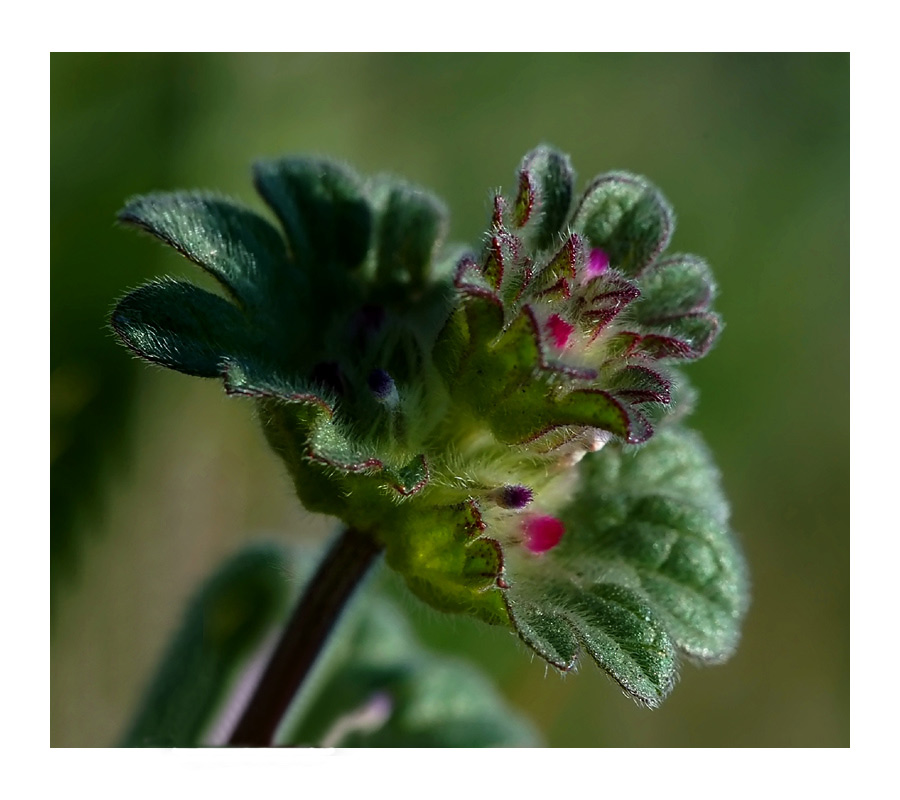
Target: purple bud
[(598, 263), (382, 386), (514, 497)]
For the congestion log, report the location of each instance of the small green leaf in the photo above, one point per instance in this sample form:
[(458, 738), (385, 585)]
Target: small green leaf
[(251, 379), (411, 478), (675, 286), (561, 269), (225, 623), (445, 560), (451, 344), (413, 224), (322, 209), (647, 567), (542, 628), (698, 331), (288, 428), (381, 689), (234, 245), (613, 624), (626, 217), (181, 326), (550, 182)]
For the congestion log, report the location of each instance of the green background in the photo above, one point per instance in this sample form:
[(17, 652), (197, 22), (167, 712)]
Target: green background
[(156, 476)]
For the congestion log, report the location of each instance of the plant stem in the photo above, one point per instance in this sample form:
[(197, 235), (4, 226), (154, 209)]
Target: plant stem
[(345, 565)]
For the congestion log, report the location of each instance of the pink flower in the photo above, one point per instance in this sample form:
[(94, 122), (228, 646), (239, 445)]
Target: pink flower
[(597, 264), (560, 330), (542, 533)]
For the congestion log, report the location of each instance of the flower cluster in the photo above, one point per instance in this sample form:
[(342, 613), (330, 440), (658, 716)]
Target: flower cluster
[(438, 399)]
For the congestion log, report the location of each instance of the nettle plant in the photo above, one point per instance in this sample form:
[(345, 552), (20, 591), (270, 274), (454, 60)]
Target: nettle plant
[(504, 423)]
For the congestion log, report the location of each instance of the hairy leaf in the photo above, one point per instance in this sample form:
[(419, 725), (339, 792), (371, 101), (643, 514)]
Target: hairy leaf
[(647, 567), (237, 247), (675, 286), (628, 218), (547, 182), (181, 326), (413, 224), (322, 208), (445, 560)]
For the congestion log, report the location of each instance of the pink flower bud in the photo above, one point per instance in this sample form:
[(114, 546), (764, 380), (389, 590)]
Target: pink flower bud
[(598, 263), (560, 330), (542, 533)]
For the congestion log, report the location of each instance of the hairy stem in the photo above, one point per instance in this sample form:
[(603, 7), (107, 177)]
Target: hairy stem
[(324, 598)]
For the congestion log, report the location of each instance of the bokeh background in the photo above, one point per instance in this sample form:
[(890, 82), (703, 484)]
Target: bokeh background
[(156, 476)]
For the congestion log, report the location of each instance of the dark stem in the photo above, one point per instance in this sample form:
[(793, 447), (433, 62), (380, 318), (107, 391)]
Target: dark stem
[(324, 598)]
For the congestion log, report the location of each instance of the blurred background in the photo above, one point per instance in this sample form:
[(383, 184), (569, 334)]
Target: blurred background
[(155, 477)]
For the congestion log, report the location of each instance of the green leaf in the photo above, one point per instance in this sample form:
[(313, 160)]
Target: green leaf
[(381, 689), (323, 210), (675, 286), (237, 247), (647, 567), (225, 623), (697, 331), (612, 623), (412, 225), (445, 560), (410, 478), (253, 378), (628, 218), (546, 182), (181, 326)]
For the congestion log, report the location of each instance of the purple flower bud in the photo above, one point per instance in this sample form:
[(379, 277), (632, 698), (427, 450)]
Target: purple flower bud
[(383, 387), (514, 497), (597, 264)]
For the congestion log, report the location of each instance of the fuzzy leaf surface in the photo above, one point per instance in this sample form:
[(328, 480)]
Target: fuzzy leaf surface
[(240, 249), (444, 559), (547, 176), (181, 326), (628, 218), (648, 568), (322, 207), (411, 227)]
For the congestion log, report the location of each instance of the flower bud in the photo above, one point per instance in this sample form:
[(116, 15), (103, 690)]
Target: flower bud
[(383, 387), (542, 533), (514, 497), (597, 263)]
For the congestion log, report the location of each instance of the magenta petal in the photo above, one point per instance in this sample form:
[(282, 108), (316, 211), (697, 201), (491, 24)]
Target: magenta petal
[(542, 533), (560, 330), (598, 262)]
